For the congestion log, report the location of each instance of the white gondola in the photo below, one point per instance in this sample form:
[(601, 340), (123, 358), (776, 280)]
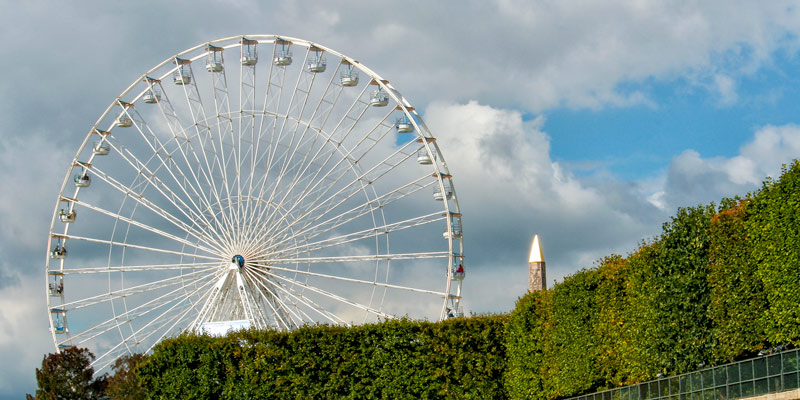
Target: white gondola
[(56, 285), (152, 96), (249, 59), (59, 320), (437, 192), (59, 252), (283, 58), (249, 52), (378, 99), (214, 60), (100, 149), (404, 125), (182, 76), (124, 121), (67, 217), (82, 181), (454, 232), (317, 65), (423, 158), (214, 66), (349, 78)]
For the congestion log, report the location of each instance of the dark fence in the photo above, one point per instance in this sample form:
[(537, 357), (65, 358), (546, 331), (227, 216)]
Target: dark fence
[(771, 373)]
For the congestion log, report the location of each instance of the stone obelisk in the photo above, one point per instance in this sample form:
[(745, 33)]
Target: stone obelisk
[(536, 273)]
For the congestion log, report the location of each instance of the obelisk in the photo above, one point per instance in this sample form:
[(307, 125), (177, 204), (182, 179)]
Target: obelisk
[(536, 273)]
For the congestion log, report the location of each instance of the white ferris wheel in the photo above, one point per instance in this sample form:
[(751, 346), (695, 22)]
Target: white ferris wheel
[(251, 181)]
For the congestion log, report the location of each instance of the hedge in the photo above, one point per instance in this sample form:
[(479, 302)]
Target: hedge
[(459, 358)]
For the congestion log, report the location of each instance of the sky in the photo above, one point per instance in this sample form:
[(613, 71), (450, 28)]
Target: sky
[(588, 123)]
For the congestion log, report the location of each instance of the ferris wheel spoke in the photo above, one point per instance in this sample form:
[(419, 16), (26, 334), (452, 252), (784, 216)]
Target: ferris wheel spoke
[(283, 123), (134, 246), (354, 258), (360, 235), (300, 299), (133, 290), (167, 194), (224, 128), (193, 184), (131, 340), (132, 314), (313, 227), (202, 129), (324, 99), (278, 308), (330, 101), (330, 295), (350, 189), (140, 268), (345, 279), (157, 147), (298, 102), (146, 227)]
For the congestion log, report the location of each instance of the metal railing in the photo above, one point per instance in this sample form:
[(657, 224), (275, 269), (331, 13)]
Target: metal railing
[(771, 373)]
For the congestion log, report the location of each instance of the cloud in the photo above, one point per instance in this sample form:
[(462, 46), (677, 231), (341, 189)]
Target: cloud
[(692, 179), (29, 192), (24, 337)]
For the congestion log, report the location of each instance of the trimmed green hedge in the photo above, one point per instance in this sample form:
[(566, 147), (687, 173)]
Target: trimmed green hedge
[(737, 293), (458, 358), (774, 232)]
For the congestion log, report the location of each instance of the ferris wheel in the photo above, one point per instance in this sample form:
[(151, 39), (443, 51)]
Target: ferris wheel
[(253, 181)]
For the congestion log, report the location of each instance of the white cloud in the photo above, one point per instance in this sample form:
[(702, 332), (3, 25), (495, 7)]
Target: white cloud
[(24, 335), (692, 179)]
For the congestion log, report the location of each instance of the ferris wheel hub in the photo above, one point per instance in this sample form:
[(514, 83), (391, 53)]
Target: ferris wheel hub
[(238, 261)]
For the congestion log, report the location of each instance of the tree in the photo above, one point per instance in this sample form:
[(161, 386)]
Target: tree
[(68, 375), (125, 384)]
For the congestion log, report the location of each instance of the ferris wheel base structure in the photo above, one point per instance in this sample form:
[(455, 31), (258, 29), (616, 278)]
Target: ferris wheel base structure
[(255, 181)]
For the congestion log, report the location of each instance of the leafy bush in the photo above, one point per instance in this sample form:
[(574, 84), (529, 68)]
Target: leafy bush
[(458, 358), (737, 293), (526, 334), (773, 227)]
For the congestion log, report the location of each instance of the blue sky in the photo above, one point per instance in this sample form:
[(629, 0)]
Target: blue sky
[(639, 141), (588, 123)]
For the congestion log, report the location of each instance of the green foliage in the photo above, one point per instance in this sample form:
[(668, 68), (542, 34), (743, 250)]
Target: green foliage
[(124, 383), (773, 227), (572, 348), (671, 292), (612, 333), (192, 370), (641, 356), (68, 375), (737, 294), (526, 334), (457, 358)]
